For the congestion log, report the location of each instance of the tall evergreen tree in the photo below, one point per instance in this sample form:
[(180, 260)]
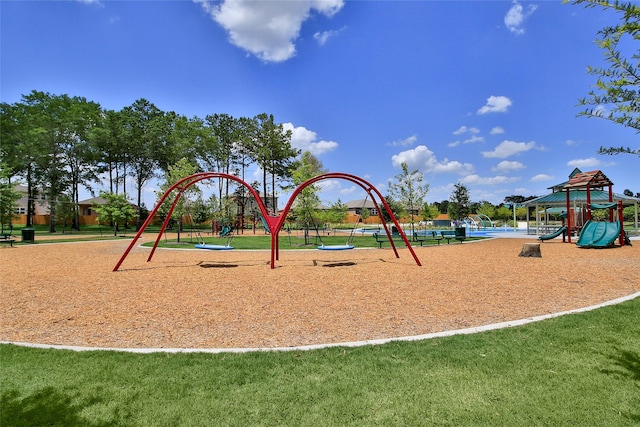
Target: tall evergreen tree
[(273, 153), (49, 119), (459, 205), (18, 151), (143, 131)]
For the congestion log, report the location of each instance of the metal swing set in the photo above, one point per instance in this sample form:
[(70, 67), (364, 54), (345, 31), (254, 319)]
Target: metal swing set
[(274, 222)]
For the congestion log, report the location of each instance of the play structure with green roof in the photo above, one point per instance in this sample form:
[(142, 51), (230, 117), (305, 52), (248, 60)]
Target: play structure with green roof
[(575, 200)]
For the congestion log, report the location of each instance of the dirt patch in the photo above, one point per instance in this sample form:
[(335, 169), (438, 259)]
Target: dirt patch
[(67, 293)]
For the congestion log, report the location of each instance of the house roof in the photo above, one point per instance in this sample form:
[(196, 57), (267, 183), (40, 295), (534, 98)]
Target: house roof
[(360, 203), (93, 201), (442, 217)]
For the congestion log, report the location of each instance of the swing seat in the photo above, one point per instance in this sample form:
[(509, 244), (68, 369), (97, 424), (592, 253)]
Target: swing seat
[(335, 247), (213, 247)]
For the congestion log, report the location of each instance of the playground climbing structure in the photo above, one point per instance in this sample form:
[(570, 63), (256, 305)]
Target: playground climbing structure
[(596, 234)]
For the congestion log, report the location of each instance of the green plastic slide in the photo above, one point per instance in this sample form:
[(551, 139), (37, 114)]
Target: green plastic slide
[(553, 235), (598, 234), (226, 230)]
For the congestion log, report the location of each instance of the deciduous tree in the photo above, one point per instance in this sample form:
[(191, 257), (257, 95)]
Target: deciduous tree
[(408, 189), (616, 96), (116, 211), (180, 170)]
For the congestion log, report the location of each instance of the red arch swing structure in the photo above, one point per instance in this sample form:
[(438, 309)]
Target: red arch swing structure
[(274, 222)]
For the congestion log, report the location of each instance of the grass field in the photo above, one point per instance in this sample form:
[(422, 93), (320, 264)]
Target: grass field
[(579, 369)]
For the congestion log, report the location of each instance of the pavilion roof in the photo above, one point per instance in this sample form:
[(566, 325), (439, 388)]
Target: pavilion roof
[(580, 196), (588, 179)]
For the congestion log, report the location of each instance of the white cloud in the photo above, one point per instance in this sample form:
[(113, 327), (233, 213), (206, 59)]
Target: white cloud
[(328, 185), (495, 104), (423, 159), (584, 163), (542, 177), (506, 166), (404, 142), (323, 37), (509, 148), (516, 15), (305, 140), (491, 180), (267, 29), (473, 139), (464, 129), (349, 190), (600, 111), (496, 130)]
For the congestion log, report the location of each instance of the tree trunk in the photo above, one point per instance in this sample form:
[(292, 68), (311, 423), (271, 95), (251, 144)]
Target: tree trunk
[(531, 250), (52, 213)]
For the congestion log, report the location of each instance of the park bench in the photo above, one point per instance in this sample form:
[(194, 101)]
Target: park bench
[(382, 238), (6, 239), (458, 234), (427, 237)]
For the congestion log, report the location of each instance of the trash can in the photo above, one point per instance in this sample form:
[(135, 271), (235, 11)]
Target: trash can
[(461, 234), (28, 235)]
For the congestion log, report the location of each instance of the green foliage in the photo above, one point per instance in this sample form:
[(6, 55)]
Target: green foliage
[(487, 209), (57, 143), (200, 211), (65, 212), (628, 213), (182, 169), (429, 211), (338, 212), (408, 189), (396, 208), (272, 151), (515, 199), (503, 214), (459, 202), (443, 206), (521, 212), (306, 204), (117, 211), (616, 95), (8, 198), (579, 369)]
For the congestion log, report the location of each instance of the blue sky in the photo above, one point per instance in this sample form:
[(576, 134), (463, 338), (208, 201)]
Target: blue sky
[(478, 92)]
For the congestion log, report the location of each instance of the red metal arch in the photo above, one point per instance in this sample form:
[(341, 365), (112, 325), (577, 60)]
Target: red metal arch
[(369, 188), (275, 222), (181, 186)]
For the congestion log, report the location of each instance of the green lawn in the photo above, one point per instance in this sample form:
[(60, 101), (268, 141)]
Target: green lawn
[(576, 370)]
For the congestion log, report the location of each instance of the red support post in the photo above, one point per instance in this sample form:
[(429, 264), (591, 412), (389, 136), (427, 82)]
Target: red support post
[(568, 217)]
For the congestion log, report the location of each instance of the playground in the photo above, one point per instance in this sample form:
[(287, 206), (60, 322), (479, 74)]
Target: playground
[(66, 294)]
